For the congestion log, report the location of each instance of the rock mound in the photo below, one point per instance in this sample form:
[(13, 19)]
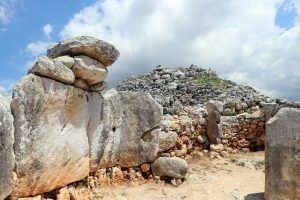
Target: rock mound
[(174, 88)]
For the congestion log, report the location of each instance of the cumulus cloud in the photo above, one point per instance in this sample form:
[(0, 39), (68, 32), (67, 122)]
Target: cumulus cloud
[(238, 39), (47, 30), (39, 47)]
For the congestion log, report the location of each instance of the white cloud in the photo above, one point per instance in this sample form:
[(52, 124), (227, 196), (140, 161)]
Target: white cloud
[(7, 9), (47, 30), (38, 48), (239, 39)]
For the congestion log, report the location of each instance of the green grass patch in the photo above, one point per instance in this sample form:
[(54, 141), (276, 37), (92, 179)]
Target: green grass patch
[(212, 80)]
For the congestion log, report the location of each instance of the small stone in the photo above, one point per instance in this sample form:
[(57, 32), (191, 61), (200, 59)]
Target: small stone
[(63, 194), (145, 167), (216, 147), (201, 139), (224, 154)]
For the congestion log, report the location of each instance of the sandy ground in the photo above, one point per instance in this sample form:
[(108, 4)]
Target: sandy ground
[(218, 179)]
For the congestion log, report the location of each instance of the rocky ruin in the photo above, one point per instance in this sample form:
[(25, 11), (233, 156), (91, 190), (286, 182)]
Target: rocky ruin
[(58, 129)]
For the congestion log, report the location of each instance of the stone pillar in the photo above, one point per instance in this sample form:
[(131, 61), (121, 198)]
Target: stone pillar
[(283, 156)]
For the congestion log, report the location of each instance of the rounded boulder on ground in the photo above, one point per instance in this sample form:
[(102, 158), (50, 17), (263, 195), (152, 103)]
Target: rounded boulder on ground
[(170, 166)]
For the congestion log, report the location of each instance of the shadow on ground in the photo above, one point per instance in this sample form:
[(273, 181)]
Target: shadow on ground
[(255, 196)]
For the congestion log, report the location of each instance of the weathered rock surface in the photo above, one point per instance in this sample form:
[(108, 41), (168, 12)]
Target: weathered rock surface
[(282, 156), (89, 70), (66, 60), (98, 87), (7, 161), (56, 70), (214, 108), (129, 132), (81, 84), (167, 140), (169, 166), (270, 109), (100, 50), (52, 124)]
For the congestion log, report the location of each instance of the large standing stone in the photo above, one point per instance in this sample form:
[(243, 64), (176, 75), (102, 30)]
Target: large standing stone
[(283, 155), (89, 70), (129, 132), (100, 50), (53, 69), (52, 121), (7, 161), (214, 108), (170, 166)]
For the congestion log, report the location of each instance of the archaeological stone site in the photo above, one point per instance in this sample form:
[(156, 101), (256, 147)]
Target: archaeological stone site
[(181, 132)]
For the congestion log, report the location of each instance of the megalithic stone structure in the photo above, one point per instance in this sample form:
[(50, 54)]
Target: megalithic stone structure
[(283, 156)]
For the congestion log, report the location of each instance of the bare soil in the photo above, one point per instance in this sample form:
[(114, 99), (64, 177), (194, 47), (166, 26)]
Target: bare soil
[(217, 179)]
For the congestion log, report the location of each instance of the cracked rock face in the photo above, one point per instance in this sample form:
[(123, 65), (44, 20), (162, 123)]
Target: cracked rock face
[(92, 47), (7, 161), (129, 132), (52, 125)]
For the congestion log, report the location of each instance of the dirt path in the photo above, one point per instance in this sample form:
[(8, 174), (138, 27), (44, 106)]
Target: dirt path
[(207, 180)]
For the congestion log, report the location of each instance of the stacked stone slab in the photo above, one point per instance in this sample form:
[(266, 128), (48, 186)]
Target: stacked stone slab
[(283, 156), (80, 61)]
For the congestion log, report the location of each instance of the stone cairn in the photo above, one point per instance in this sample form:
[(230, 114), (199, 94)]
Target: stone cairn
[(80, 61)]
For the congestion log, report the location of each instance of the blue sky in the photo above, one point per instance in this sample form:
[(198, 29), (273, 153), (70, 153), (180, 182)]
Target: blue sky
[(251, 42)]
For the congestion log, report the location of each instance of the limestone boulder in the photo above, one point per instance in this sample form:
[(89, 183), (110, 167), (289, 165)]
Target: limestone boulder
[(129, 132), (214, 108), (55, 70), (282, 147), (92, 47), (89, 70), (170, 166), (7, 161), (52, 124)]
